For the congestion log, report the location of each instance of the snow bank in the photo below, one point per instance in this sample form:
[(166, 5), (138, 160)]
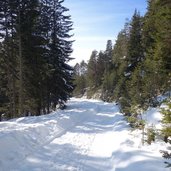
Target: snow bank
[(153, 117)]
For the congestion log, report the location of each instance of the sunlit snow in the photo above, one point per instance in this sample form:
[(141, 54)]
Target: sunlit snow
[(89, 135)]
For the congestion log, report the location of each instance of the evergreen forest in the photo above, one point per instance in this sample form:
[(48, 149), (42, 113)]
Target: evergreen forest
[(35, 47), (136, 69), (36, 78)]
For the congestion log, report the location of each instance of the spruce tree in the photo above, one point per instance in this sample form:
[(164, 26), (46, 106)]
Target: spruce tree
[(34, 51), (92, 70), (80, 75), (119, 59), (135, 48), (166, 120), (101, 67), (60, 50), (156, 31), (108, 55), (8, 50)]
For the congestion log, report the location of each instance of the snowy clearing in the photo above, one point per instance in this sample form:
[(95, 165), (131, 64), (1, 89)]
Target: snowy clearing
[(89, 135)]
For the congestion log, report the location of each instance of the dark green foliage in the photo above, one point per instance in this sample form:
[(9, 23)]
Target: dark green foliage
[(101, 65), (80, 71), (108, 56), (130, 70), (150, 135), (92, 70), (147, 76), (119, 59), (132, 121), (136, 69), (35, 49), (166, 131), (135, 49), (166, 155), (155, 39), (163, 28), (60, 50)]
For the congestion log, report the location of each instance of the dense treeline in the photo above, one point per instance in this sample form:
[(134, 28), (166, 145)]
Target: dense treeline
[(34, 51), (137, 68)]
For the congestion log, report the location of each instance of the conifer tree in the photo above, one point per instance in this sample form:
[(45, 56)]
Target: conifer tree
[(92, 70), (108, 56), (34, 51), (135, 48), (8, 52), (60, 50), (101, 64), (166, 120), (156, 30), (80, 74), (119, 59)]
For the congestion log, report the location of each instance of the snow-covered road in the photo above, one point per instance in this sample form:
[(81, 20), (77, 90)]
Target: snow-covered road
[(89, 135)]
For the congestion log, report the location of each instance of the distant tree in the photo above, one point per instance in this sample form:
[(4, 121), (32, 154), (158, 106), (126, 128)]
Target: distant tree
[(100, 67), (83, 68), (76, 70), (107, 76), (108, 55), (92, 70), (80, 74)]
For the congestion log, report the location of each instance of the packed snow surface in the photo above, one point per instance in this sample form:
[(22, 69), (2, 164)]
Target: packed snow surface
[(89, 135)]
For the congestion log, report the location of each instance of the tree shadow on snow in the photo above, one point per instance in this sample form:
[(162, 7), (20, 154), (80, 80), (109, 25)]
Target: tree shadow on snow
[(64, 157), (137, 160)]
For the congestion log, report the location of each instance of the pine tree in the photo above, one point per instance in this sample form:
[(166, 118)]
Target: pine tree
[(101, 64), (166, 121), (60, 50), (134, 72), (156, 30), (9, 54), (135, 48), (80, 74), (4, 101), (163, 27), (135, 87), (92, 70), (119, 59), (108, 56), (83, 68), (34, 50), (108, 79)]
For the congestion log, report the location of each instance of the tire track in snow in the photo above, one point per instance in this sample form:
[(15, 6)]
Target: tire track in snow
[(72, 123)]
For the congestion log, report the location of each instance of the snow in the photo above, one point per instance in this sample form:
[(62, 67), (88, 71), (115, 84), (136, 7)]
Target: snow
[(127, 74), (89, 135), (153, 117)]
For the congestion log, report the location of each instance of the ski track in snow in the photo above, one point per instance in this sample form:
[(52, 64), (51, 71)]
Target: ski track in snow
[(89, 135)]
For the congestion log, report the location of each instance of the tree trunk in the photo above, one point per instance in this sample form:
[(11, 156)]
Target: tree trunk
[(20, 70)]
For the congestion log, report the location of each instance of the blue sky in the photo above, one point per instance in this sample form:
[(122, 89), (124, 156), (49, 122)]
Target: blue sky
[(96, 21)]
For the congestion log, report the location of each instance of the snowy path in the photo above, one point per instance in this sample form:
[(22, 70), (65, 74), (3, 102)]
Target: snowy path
[(88, 136)]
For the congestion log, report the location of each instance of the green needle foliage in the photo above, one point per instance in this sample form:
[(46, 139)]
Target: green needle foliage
[(35, 47), (166, 120)]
